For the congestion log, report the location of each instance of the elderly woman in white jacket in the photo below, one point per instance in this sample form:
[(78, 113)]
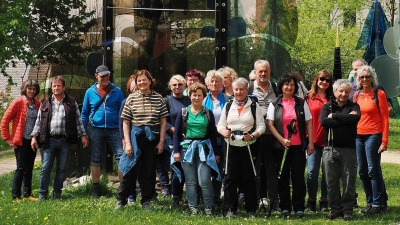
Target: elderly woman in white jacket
[(241, 123)]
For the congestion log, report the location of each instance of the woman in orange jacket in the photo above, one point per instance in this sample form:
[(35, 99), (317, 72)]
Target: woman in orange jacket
[(22, 115)]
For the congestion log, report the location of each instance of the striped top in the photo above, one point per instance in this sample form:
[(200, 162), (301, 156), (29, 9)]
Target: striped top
[(144, 109)]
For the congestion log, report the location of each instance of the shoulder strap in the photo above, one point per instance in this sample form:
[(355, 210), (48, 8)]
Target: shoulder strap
[(253, 108), (167, 102), (357, 95), (98, 106), (376, 98), (274, 88), (207, 113), (227, 108), (184, 120)]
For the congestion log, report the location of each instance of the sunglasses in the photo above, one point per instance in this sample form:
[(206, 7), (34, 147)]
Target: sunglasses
[(325, 79), (175, 85), (365, 77)]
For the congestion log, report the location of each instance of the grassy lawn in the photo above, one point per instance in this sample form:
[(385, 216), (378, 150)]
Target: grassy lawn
[(394, 134), (3, 145), (75, 207)]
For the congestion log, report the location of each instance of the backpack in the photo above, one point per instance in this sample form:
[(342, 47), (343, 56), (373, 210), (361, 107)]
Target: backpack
[(253, 107), (273, 84), (390, 108), (185, 118)]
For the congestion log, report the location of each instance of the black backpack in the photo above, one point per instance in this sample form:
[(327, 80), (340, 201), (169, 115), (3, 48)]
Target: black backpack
[(253, 107)]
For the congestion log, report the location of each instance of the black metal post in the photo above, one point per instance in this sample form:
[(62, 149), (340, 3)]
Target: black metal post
[(221, 33)]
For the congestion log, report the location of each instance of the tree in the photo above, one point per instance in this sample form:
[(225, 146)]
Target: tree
[(14, 20)]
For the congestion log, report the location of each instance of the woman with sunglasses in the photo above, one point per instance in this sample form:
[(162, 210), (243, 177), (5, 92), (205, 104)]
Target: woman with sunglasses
[(175, 102), (372, 139), (320, 93), (287, 107)]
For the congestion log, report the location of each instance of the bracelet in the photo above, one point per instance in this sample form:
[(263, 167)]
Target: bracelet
[(252, 137)]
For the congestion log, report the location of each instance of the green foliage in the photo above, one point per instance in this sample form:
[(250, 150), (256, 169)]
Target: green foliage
[(394, 134)]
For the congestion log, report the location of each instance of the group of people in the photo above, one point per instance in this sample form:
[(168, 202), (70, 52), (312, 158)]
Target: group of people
[(252, 140)]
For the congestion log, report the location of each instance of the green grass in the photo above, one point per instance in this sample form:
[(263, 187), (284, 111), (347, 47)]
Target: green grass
[(75, 207), (3, 145), (394, 134)]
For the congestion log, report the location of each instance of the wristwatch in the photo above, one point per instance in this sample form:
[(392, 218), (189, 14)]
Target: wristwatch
[(252, 137)]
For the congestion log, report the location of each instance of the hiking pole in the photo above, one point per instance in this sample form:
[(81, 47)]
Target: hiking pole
[(291, 127), (226, 172), (257, 178)]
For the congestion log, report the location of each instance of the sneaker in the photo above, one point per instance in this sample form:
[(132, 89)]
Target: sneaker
[(364, 210), (384, 208), (230, 214), (251, 215), (208, 212), (373, 211), (263, 202), (31, 198), (311, 206), (348, 217), (119, 206), (323, 206), (146, 205), (41, 198), (285, 213), (193, 211), (177, 202), (333, 215), (300, 214), (131, 200), (355, 204), (241, 199), (96, 191)]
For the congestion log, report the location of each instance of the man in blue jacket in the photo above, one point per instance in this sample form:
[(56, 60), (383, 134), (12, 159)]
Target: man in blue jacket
[(100, 115)]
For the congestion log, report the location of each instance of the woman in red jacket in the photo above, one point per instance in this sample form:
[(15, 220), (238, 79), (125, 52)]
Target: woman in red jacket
[(22, 115)]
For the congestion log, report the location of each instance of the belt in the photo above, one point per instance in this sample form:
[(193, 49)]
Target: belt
[(237, 132), (58, 136)]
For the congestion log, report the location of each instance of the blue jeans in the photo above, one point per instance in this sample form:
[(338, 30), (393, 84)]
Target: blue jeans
[(98, 139), (369, 168), (198, 173), (314, 163), (59, 149)]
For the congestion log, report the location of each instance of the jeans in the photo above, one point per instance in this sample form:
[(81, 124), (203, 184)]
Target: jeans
[(144, 170), (293, 169), (314, 163), (240, 171), (58, 149), (25, 158), (163, 165), (369, 168), (98, 139), (340, 163), (198, 173)]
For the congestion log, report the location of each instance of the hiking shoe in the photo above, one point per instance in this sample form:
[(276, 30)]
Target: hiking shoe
[(193, 211), (146, 205), (177, 202), (311, 206), (333, 215), (355, 204), (348, 217), (166, 194), (384, 208), (285, 213), (373, 211), (364, 210), (208, 212), (263, 202), (131, 200), (276, 206), (56, 195), (96, 191), (119, 206), (323, 206), (31, 198), (230, 214), (300, 214), (41, 198), (241, 199), (154, 198), (251, 215)]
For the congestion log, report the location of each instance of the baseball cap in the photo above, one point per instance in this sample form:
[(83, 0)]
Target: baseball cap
[(102, 70)]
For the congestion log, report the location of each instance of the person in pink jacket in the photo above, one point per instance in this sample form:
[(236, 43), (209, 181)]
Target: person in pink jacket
[(22, 115)]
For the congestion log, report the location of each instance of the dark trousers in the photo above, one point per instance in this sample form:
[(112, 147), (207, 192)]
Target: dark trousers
[(268, 178), (295, 164), (25, 158), (177, 186), (144, 169), (217, 185), (163, 165), (240, 169)]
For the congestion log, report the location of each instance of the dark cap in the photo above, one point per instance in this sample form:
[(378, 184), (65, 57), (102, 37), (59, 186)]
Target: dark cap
[(102, 70)]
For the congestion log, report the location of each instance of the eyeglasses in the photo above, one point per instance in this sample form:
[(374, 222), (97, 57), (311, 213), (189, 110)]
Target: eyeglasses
[(364, 77), (175, 85), (325, 79)]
